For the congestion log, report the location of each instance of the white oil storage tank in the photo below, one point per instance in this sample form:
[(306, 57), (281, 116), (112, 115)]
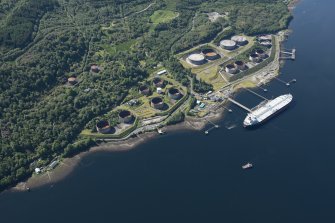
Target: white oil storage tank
[(240, 40), (228, 44), (196, 59)]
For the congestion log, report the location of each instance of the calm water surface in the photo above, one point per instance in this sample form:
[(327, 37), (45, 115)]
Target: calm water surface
[(190, 177)]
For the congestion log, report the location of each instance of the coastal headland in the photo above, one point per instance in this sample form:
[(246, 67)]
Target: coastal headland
[(125, 78), (214, 112)]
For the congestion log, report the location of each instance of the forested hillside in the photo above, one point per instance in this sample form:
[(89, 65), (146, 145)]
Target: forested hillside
[(42, 43)]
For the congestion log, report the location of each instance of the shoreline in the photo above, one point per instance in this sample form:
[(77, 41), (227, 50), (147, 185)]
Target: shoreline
[(293, 4), (68, 165)]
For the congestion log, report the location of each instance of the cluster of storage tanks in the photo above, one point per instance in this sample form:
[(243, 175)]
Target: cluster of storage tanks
[(73, 80), (125, 117), (265, 40), (203, 57), (233, 43), (158, 102), (145, 90), (235, 67), (257, 56)]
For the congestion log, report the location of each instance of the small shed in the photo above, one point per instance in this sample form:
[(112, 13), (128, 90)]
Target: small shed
[(37, 170), (161, 72)]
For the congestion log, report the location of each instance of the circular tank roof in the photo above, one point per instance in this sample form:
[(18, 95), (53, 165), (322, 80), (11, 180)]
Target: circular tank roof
[(174, 91), (102, 124), (239, 39), (196, 57), (124, 113), (157, 80), (260, 51), (211, 54), (228, 43), (239, 63), (143, 88), (230, 66), (157, 100), (206, 51)]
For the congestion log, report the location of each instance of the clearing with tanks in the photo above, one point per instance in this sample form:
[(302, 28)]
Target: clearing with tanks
[(76, 71)]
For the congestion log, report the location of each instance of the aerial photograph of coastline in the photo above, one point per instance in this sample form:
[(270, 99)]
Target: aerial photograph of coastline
[(167, 111)]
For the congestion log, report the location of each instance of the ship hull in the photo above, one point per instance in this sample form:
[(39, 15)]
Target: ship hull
[(257, 123), (267, 119)]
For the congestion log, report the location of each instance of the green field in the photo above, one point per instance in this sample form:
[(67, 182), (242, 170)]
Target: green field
[(171, 4), (111, 50), (163, 16)]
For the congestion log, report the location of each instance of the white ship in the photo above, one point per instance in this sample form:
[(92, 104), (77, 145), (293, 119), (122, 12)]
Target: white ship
[(267, 109), (247, 166)]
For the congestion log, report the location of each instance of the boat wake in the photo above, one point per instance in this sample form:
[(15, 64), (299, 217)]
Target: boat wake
[(229, 127)]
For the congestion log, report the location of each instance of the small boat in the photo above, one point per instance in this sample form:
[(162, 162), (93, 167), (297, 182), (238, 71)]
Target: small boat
[(247, 166)]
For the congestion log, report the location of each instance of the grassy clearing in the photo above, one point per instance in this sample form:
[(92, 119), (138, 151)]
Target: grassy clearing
[(245, 84), (208, 75), (163, 16), (111, 50), (171, 4)]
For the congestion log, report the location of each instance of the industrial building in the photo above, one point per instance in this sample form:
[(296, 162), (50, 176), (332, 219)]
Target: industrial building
[(125, 116), (174, 93), (157, 103), (240, 40), (228, 44), (196, 59), (161, 72)]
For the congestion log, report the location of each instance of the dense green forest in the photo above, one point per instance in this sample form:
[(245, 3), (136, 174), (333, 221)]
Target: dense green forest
[(42, 43)]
